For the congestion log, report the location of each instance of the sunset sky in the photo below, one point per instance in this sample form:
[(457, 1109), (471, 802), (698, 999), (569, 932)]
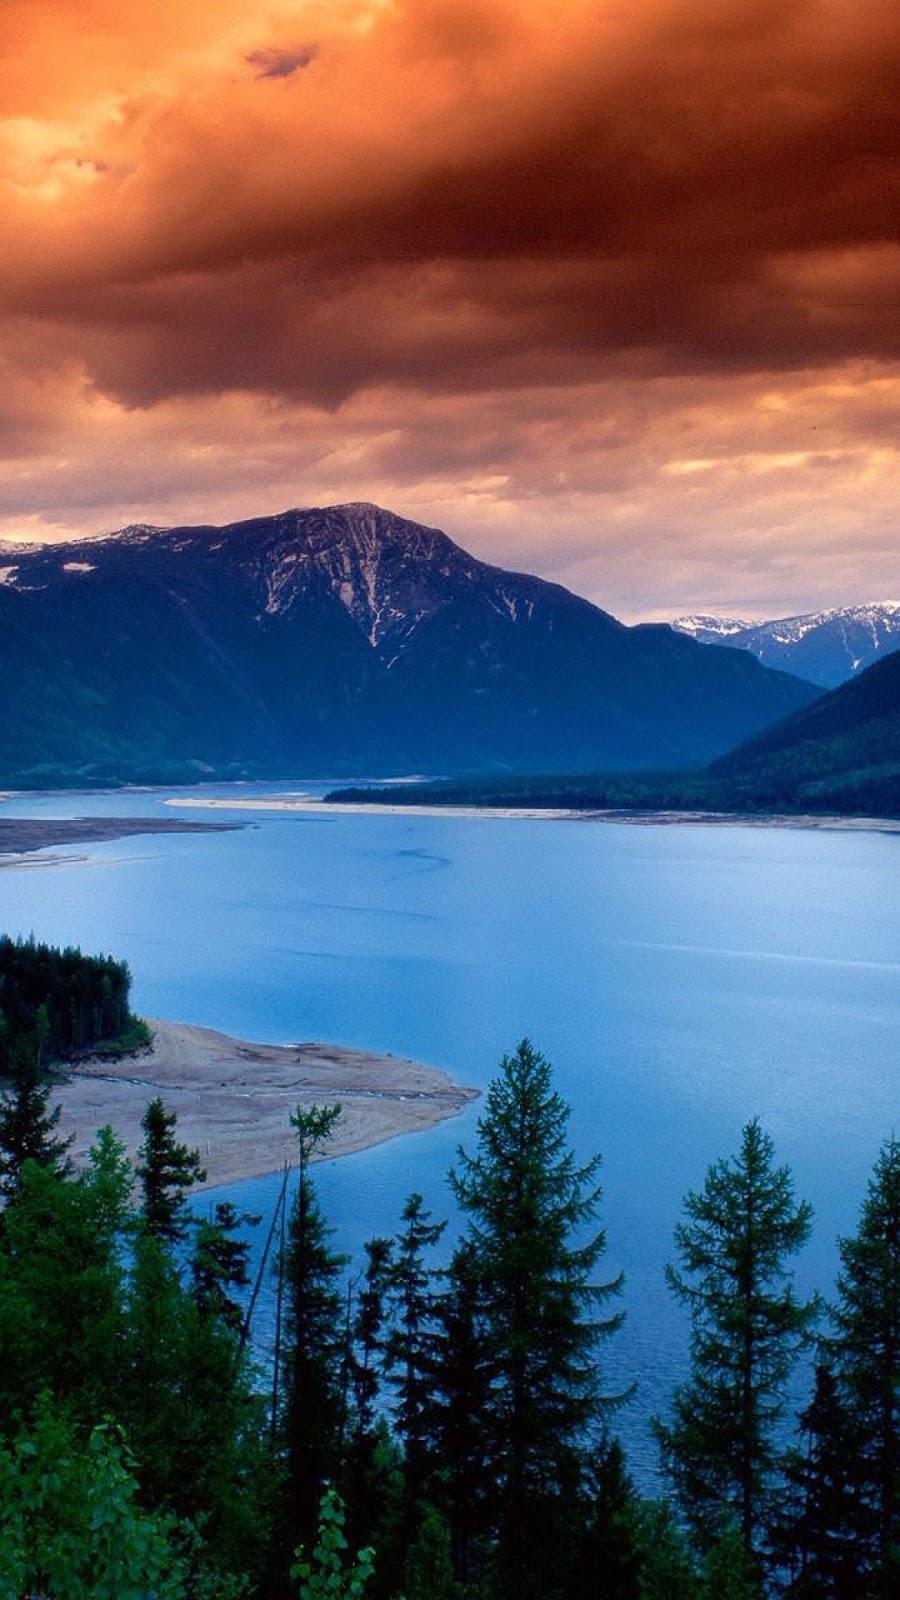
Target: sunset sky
[(608, 291)]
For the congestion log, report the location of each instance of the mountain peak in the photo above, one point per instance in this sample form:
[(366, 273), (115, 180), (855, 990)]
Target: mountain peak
[(341, 639)]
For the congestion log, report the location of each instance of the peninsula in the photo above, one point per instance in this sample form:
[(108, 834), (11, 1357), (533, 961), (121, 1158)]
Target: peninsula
[(234, 1099)]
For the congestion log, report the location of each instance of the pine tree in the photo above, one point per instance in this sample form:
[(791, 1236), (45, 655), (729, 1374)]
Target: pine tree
[(817, 1535), (866, 1352), (528, 1207), (313, 1352), (461, 1396), (364, 1477), (219, 1264), (747, 1330), (166, 1170), (412, 1343), (609, 1554), (369, 1334), (27, 1128)]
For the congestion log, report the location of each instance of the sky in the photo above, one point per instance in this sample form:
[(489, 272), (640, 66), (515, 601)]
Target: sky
[(608, 291)]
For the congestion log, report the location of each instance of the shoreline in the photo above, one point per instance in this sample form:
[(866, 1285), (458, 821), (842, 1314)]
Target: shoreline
[(299, 803), (234, 1098), (23, 839)]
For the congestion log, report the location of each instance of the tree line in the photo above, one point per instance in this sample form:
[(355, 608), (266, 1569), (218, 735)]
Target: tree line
[(433, 1428), (58, 1002)]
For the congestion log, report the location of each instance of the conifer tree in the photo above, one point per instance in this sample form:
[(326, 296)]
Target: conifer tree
[(313, 1351), (866, 1352), (817, 1536), (369, 1332), (165, 1171), (528, 1207), (27, 1128), (366, 1473), (747, 1330), (607, 1544), (412, 1343), (461, 1394), (219, 1264)]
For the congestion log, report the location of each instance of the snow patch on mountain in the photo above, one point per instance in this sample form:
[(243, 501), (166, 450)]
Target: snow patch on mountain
[(719, 627)]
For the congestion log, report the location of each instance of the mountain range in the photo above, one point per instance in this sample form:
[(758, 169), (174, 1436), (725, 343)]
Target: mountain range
[(825, 647), (340, 640)]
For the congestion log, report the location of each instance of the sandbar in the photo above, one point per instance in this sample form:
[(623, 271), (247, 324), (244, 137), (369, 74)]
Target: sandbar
[(234, 1099), (299, 803)]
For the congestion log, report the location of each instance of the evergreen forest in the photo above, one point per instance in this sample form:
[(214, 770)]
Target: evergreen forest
[(60, 1002), (435, 1423)]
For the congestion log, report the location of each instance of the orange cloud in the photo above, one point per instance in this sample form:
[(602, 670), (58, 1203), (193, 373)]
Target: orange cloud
[(482, 253)]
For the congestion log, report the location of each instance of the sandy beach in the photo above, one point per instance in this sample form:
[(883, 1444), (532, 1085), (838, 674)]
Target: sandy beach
[(234, 1099), (750, 819)]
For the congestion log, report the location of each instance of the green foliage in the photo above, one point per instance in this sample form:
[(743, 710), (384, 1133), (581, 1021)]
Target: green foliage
[(70, 1524), (668, 1571), (411, 1347), (429, 1567), (495, 1479), (62, 1281), (313, 1351), (609, 1557), (728, 1572), (817, 1533), (530, 1268), (330, 1573), (747, 1330), (135, 1036), (165, 1171), (865, 1350), (313, 1128), (84, 1000), (219, 1264), (27, 1126)]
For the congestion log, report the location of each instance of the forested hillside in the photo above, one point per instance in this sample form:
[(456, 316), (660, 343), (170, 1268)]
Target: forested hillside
[(839, 756), (441, 1411)]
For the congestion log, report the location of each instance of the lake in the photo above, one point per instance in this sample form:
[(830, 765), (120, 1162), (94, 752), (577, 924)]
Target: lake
[(681, 979)]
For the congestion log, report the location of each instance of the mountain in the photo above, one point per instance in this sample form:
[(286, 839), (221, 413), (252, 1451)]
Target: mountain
[(342, 640), (842, 753), (825, 647), (838, 756)]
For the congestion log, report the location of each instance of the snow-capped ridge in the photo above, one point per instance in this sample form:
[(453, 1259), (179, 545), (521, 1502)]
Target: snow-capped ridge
[(721, 626), (825, 646)]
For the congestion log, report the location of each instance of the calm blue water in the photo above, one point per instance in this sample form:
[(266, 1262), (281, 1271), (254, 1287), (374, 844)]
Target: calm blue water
[(681, 979)]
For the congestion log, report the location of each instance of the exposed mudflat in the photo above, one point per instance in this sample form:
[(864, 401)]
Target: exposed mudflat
[(23, 835)]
